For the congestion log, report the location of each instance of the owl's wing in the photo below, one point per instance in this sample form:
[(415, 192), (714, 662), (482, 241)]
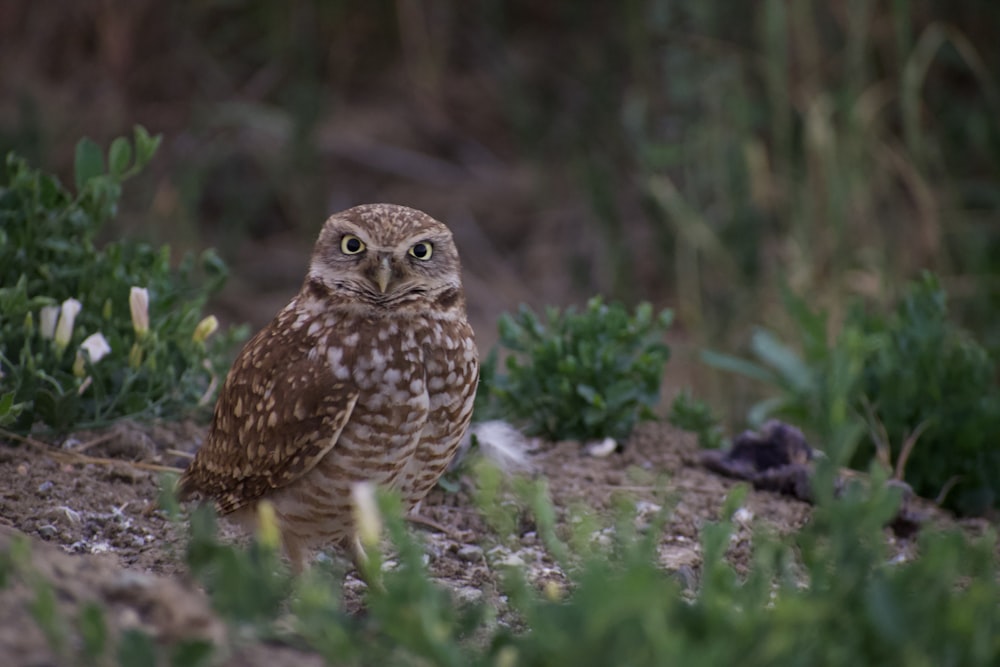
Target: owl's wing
[(278, 414)]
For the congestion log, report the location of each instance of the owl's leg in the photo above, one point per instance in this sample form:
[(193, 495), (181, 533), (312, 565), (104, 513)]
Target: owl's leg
[(296, 551)]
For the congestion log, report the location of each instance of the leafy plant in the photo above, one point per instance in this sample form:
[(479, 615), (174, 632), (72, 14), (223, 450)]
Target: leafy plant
[(93, 334), (692, 414), (581, 375), (787, 609), (817, 386), (929, 378), (919, 376)]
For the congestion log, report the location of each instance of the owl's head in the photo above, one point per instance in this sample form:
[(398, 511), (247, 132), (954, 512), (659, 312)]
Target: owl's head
[(387, 255)]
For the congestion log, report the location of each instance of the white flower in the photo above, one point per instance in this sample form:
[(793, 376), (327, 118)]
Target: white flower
[(366, 515), (205, 328), (96, 346), (47, 319), (64, 327), (138, 303)]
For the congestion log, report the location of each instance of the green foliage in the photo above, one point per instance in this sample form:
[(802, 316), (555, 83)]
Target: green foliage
[(817, 387), (913, 369), (692, 414), (224, 571), (49, 263), (828, 595), (581, 375), (929, 374)]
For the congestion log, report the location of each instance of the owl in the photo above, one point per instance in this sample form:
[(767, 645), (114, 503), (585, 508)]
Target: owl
[(368, 374)]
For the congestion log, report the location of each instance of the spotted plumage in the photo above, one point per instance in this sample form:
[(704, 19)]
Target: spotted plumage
[(368, 374)]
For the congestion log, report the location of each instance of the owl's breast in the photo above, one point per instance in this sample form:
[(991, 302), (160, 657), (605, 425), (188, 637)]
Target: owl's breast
[(416, 381)]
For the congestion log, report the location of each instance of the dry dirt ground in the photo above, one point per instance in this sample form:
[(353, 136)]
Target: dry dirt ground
[(95, 531)]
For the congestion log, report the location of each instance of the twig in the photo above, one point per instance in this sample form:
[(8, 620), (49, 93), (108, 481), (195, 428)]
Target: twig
[(178, 453), (907, 449), (432, 524), (946, 489), (84, 446), (72, 456), (879, 435)]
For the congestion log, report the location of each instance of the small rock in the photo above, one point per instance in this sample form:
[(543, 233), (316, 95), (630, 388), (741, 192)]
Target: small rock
[(68, 514), (602, 448), (512, 560), (47, 532), (646, 507), (45, 487), (470, 553), (101, 547), (468, 595)]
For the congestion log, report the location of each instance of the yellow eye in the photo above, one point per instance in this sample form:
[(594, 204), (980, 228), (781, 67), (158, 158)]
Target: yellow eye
[(351, 244), (422, 250)]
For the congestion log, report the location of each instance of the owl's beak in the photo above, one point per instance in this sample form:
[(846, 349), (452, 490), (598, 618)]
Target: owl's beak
[(383, 273)]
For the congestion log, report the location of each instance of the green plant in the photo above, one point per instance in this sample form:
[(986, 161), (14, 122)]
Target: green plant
[(88, 334), (692, 414), (817, 383), (581, 375), (917, 375), (931, 380)]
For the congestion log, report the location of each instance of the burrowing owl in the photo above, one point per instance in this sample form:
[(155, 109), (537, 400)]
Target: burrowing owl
[(369, 373)]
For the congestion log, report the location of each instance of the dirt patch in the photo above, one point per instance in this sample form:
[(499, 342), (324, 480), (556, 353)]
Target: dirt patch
[(96, 533)]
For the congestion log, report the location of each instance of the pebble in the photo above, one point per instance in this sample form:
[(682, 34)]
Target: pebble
[(601, 448), (48, 531), (512, 560), (468, 594), (45, 487), (470, 553)]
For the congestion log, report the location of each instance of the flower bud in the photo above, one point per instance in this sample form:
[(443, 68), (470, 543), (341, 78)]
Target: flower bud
[(268, 533), (47, 319), (367, 520), (64, 327), (79, 366), (135, 355), (138, 303), (205, 328)]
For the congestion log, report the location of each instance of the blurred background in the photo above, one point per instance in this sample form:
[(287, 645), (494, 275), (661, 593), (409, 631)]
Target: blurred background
[(699, 155)]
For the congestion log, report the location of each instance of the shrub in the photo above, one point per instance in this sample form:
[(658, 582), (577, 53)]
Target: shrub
[(580, 375), (93, 334), (694, 415), (916, 374), (928, 375)]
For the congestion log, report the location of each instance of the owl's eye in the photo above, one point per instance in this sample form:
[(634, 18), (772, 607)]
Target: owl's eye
[(351, 244), (422, 250)]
